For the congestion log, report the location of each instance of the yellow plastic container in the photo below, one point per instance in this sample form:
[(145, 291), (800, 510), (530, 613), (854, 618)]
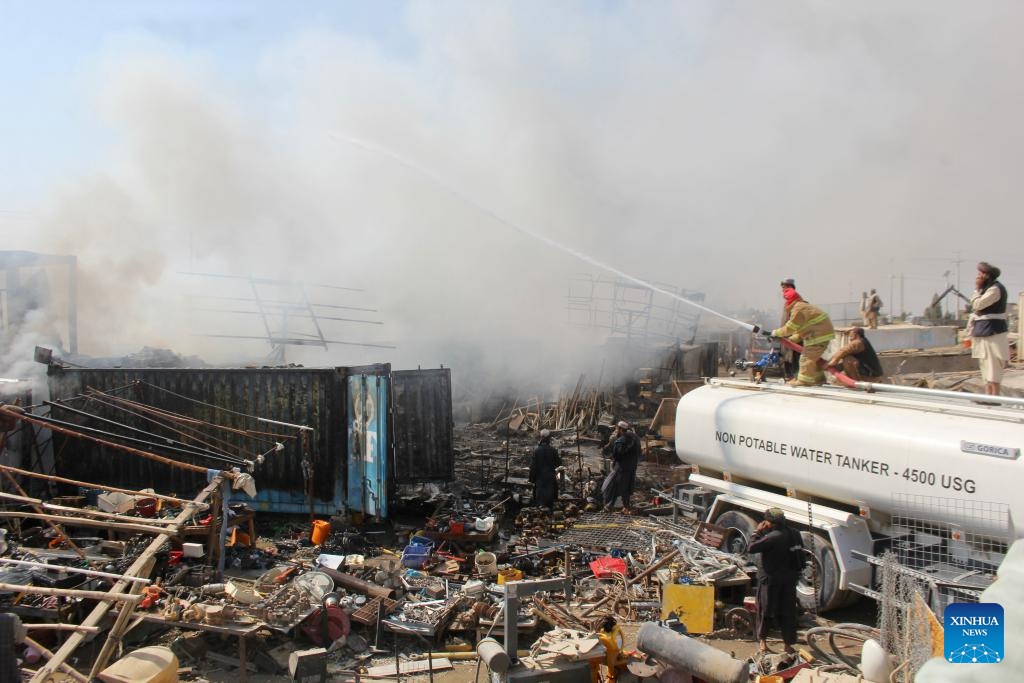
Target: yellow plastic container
[(506, 575), (321, 532)]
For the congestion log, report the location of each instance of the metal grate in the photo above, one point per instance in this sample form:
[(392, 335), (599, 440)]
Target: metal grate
[(367, 614), (607, 530)]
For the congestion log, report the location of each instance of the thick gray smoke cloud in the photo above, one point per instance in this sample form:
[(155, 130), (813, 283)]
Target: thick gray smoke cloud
[(713, 146)]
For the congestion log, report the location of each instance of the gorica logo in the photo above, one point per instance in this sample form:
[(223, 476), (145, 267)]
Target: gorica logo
[(973, 632)]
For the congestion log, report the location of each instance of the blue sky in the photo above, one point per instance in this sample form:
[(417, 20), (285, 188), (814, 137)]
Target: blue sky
[(51, 52)]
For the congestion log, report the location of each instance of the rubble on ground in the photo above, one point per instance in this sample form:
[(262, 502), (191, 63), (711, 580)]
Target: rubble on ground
[(352, 598)]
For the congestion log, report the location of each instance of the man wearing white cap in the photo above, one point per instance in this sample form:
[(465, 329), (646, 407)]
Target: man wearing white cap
[(625, 458)]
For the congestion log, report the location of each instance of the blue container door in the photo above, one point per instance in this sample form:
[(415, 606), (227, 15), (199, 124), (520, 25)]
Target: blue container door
[(367, 444)]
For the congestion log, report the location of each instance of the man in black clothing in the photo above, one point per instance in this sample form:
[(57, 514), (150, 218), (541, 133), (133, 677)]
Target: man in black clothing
[(625, 458), (782, 560), (858, 358), (544, 471)]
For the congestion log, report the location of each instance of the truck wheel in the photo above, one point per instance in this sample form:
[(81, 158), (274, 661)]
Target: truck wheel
[(821, 577), (741, 526)]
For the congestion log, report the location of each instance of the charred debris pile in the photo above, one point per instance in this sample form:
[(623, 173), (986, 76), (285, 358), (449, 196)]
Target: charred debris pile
[(128, 582)]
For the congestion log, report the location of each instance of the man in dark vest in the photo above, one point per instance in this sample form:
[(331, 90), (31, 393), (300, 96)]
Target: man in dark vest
[(987, 327), (858, 359)]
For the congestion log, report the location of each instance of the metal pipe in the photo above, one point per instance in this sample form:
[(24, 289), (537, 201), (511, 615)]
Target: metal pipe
[(493, 655), (875, 387), (352, 583), (692, 656)]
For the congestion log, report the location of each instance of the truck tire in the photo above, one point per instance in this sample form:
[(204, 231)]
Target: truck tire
[(741, 526), (822, 570)]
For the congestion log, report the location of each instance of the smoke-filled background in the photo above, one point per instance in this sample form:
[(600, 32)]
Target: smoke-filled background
[(713, 146)]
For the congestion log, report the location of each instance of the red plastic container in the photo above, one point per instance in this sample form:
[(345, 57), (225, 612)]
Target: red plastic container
[(608, 566)]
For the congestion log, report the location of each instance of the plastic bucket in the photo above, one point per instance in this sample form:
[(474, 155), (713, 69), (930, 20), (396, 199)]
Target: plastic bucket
[(456, 528), (487, 564), (146, 507), (321, 532)]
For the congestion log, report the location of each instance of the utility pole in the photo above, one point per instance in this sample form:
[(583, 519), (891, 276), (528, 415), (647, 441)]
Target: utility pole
[(901, 296)]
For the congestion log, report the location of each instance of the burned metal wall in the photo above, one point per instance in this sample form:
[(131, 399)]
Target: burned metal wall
[(312, 397), (423, 425)]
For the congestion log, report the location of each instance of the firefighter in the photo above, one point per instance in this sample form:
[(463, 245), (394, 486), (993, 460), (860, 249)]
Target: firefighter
[(857, 359), (790, 357), (811, 327)]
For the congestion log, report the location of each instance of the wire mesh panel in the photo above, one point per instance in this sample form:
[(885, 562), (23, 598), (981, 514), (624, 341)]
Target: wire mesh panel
[(951, 538), (607, 530), (908, 627), (944, 550)]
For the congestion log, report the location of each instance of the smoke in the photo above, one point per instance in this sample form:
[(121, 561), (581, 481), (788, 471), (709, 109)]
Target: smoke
[(712, 146)]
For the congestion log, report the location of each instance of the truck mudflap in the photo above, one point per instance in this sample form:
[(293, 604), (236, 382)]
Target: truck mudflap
[(837, 538)]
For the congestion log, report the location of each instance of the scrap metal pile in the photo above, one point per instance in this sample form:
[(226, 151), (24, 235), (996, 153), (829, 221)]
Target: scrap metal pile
[(202, 584)]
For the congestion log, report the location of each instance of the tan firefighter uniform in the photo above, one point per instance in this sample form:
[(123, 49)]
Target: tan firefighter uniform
[(809, 326)]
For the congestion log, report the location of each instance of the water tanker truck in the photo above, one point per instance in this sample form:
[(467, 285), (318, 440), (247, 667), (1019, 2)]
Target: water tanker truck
[(933, 477)]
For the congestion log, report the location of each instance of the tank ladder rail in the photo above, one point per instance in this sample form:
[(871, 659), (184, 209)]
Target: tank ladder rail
[(874, 388)]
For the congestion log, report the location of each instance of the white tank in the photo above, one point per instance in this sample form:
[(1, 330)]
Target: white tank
[(941, 460)]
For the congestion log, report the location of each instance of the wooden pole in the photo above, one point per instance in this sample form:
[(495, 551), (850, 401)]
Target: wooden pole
[(82, 511), (60, 627), (118, 629), (100, 611), (95, 523), (60, 532), (75, 570), (63, 667), (67, 592), (101, 487)]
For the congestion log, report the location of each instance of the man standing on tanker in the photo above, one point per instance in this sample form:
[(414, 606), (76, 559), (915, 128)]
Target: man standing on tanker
[(811, 327), (874, 307), (988, 328), (782, 560)]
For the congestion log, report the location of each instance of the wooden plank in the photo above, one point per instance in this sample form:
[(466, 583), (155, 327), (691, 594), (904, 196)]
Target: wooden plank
[(685, 386), (420, 666), (665, 417)]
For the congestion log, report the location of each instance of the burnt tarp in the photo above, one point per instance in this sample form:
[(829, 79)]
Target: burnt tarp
[(423, 425), (314, 397)]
